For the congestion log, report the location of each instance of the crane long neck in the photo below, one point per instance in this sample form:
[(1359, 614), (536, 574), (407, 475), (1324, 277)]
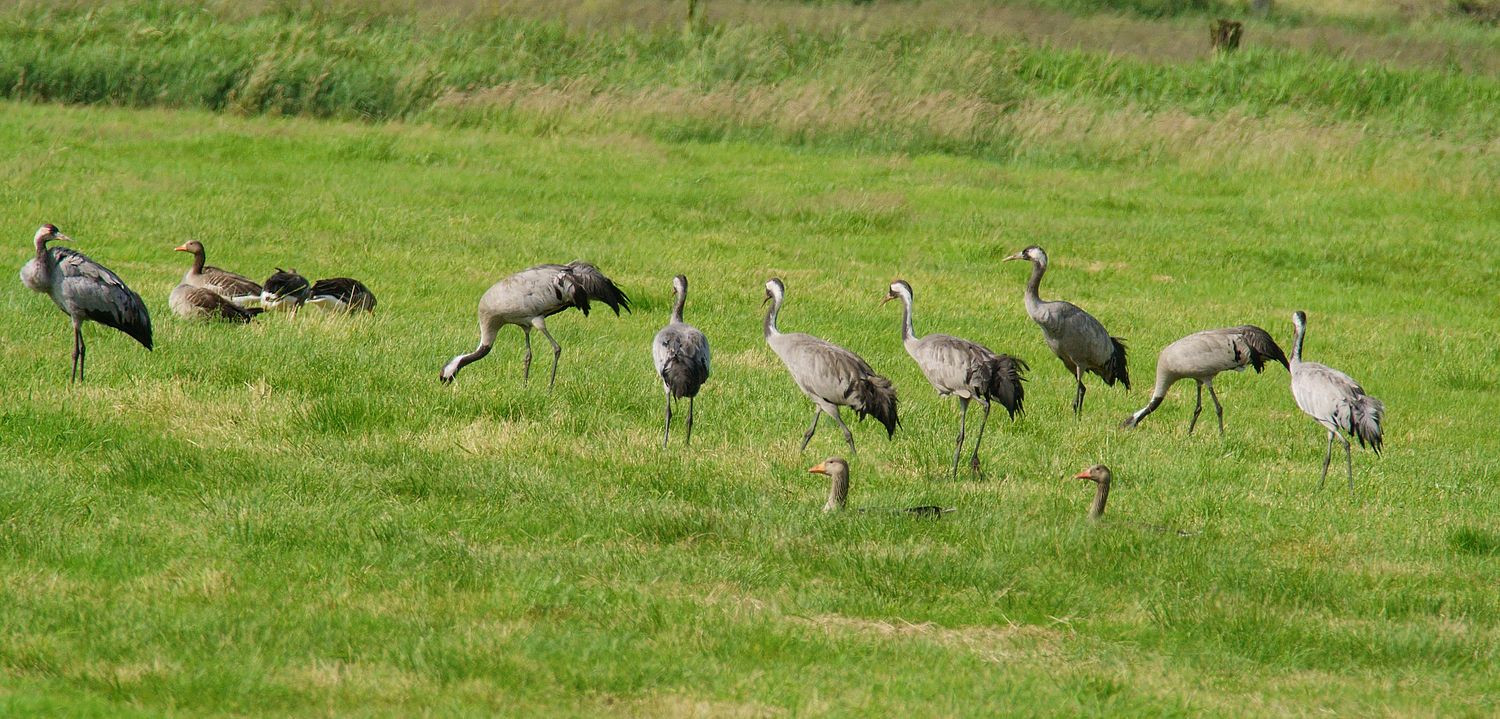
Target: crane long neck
[(838, 492), (677, 308), (771, 329), (907, 333), (44, 260), (1297, 344), (1101, 495), (1034, 285)]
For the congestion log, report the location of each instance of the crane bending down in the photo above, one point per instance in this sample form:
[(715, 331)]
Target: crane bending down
[(967, 370), (680, 353), (1077, 339), (84, 290), (1336, 401), (829, 375), (1201, 356), (526, 298)]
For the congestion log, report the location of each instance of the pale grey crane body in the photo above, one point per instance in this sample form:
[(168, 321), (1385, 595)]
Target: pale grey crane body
[(526, 298), (681, 357), (84, 290), (963, 369), (1336, 402), (1079, 340), (829, 375), (234, 287), (1201, 356)]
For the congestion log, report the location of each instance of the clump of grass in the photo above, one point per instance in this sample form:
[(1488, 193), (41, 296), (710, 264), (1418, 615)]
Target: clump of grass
[(1478, 542)]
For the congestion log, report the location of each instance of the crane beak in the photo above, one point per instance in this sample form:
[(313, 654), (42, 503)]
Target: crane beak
[(818, 469), (764, 301), (888, 298), (58, 236), (1017, 256)]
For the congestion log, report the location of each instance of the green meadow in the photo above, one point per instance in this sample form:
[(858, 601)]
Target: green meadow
[(295, 518)]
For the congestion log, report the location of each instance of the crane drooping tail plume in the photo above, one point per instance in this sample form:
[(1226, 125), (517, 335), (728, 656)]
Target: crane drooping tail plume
[(594, 286), (875, 396), (1116, 369)]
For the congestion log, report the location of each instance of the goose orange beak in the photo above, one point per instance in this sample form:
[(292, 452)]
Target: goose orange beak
[(1082, 475), (180, 248), (818, 469)]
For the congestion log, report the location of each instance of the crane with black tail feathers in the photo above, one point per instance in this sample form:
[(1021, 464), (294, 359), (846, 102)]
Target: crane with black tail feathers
[(680, 353), (829, 375), (84, 290), (1077, 339), (967, 370), (1201, 356), (1337, 402), (527, 298)]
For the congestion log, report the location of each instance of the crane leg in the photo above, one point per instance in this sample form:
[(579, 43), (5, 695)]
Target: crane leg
[(810, 430), (690, 422), (848, 436), (526, 358), (78, 351), (1349, 460), (556, 352), (963, 421), (666, 431), (974, 461), (1197, 409), (1327, 458), (1218, 408), (1078, 399)]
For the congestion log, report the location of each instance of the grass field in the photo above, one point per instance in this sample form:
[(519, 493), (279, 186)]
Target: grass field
[(295, 518)]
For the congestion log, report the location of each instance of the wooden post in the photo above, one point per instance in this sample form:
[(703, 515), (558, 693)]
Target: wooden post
[(691, 25), (1224, 35)]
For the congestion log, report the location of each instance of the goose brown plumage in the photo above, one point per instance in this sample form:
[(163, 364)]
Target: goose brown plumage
[(234, 287)]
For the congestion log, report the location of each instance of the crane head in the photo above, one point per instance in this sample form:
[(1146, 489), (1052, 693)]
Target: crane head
[(1299, 319), (899, 289), (47, 233), (679, 284), (775, 290), (1031, 254)]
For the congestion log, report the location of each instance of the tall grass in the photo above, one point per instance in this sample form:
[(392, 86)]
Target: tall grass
[(290, 61)]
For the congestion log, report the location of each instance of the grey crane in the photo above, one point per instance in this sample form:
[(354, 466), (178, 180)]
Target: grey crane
[(236, 288), (1336, 401), (1201, 356), (837, 470), (1077, 339), (680, 353), (285, 290), (84, 290), (526, 298), (191, 302), (828, 374), (967, 370)]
